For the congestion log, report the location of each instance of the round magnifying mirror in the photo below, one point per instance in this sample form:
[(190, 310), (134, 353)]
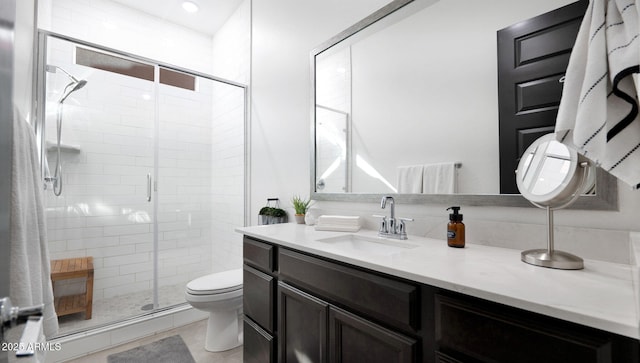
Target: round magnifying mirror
[(549, 172), (552, 176)]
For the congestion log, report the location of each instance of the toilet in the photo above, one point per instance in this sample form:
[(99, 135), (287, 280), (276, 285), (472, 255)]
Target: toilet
[(219, 294)]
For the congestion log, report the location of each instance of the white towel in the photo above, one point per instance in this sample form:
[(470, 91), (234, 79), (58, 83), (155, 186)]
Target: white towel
[(336, 228), (339, 220), (598, 114), (338, 223), (30, 267), (410, 179), (440, 178)]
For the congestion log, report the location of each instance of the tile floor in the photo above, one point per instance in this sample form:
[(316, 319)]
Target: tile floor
[(192, 334), (120, 307)]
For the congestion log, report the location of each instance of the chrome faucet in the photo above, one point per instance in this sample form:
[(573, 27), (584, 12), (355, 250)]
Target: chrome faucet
[(390, 227)]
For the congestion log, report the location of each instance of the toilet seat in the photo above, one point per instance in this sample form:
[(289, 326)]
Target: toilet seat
[(216, 283)]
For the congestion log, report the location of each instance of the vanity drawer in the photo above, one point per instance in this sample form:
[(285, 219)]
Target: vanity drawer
[(487, 332), (258, 254), (385, 299), (259, 346), (259, 297)]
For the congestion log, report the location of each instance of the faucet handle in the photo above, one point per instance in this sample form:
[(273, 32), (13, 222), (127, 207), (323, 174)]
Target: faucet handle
[(383, 223), (402, 228)]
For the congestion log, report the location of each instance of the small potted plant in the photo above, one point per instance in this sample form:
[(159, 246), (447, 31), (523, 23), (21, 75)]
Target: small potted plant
[(278, 216), (301, 206), (265, 215), (271, 213)]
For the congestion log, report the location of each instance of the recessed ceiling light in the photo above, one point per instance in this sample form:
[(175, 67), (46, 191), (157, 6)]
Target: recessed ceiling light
[(190, 6)]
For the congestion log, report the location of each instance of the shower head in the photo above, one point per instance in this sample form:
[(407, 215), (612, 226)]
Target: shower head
[(72, 87), (79, 85)]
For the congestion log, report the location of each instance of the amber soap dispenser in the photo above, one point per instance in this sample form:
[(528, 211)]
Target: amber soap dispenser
[(455, 229)]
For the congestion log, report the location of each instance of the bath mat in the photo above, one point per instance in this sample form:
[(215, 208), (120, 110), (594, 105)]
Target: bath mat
[(169, 350)]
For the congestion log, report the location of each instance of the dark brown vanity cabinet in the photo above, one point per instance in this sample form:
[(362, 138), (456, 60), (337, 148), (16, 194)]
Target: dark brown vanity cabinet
[(312, 330), (302, 326), (354, 339), (473, 330), (259, 289), (303, 308), (299, 308), (345, 314)]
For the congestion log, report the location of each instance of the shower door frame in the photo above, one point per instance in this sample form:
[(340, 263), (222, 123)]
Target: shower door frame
[(40, 131)]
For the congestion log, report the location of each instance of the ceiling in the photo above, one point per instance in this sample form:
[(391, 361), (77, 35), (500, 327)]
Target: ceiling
[(212, 15)]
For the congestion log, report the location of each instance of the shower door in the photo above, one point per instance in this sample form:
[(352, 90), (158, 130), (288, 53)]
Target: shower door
[(152, 175), (104, 209), (200, 178)]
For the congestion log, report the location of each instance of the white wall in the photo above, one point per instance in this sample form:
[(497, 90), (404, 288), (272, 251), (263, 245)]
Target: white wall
[(116, 26), (232, 46), (284, 31), (283, 34)]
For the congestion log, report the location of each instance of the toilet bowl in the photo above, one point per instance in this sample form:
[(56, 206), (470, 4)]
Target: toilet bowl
[(219, 294)]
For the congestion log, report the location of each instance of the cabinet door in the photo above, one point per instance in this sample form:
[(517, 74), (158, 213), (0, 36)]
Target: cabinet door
[(258, 297), (302, 326), (353, 339), (259, 346)]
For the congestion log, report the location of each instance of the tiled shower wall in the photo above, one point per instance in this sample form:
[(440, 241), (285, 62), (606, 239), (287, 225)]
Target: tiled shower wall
[(231, 55), (103, 211), (228, 184), (201, 158)]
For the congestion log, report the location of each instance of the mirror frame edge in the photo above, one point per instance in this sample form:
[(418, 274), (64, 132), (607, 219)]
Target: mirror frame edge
[(606, 199)]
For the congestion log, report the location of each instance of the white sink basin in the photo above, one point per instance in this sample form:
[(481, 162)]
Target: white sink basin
[(369, 245)]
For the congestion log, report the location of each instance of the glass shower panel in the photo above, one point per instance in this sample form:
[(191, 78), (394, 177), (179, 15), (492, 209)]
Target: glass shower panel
[(200, 179), (107, 150), (332, 155)]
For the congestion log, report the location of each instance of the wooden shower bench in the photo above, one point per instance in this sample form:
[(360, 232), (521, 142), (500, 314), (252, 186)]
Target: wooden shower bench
[(71, 268)]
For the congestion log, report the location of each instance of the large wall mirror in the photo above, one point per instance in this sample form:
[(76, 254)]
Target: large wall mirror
[(415, 84)]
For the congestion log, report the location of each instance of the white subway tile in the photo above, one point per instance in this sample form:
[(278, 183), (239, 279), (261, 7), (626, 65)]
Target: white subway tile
[(130, 229), (111, 251), (112, 281), (126, 259)]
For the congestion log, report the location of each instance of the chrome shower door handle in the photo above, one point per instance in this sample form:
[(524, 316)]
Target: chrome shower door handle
[(148, 187)]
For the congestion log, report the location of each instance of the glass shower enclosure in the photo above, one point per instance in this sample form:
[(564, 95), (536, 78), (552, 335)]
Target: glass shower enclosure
[(144, 170)]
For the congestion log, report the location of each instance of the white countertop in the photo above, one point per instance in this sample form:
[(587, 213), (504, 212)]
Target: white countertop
[(602, 295)]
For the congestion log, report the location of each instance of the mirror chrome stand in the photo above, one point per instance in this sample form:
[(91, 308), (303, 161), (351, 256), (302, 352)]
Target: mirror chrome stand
[(550, 257)]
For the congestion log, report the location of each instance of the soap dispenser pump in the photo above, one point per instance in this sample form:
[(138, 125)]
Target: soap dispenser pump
[(455, 229)]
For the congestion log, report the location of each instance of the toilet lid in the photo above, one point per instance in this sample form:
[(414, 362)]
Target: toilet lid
[(216, 283)]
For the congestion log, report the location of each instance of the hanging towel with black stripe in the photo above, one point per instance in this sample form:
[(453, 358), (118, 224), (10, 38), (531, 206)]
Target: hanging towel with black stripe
[(598, 112)]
